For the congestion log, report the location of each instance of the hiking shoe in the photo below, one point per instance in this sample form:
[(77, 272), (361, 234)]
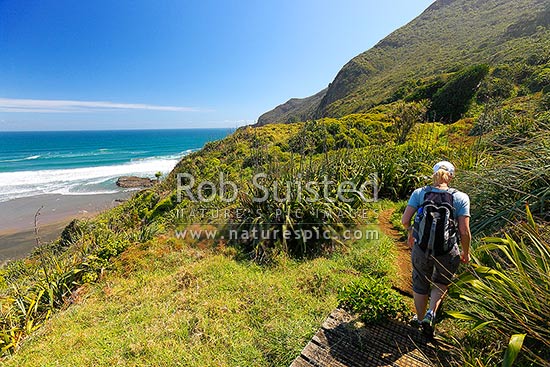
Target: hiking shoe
[(428, 324), (415, 322)]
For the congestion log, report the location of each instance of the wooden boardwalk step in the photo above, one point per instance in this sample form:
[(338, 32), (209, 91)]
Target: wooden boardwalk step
[(342, 341)]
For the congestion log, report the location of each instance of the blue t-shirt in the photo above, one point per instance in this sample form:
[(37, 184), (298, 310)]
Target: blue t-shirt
[(461, 201)]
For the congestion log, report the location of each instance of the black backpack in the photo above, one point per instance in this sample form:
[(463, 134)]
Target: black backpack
[(435, 227)]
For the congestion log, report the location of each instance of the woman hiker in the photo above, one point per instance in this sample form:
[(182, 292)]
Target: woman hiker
[(442, 222)]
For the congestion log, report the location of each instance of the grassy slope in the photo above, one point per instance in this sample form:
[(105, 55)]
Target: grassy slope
[(171, 304)]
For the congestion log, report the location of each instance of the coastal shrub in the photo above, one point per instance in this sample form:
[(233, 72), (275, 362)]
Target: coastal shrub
[(25, 306), (111, 247), (317, 136), (21, 314), (508, 293), (163, 206), (59, 282), (14, 271), (493, 117), (402, 91), (352, 131), (544, 104), (343, 140), (517, 132), (373, 299), (282, 217), (425, 91), (92, 267), (104, 240), (417, 90), (500, 127), (147, 232), (129, 213), (452, 100), (400, 169), (540, 79), (288, 225), (405, 116), (72, 233), (494, 89), (513, 176)]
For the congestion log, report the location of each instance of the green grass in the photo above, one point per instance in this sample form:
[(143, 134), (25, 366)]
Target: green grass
[(171, 304)]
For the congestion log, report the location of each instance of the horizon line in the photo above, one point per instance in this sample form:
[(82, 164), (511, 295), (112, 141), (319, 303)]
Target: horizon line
[(123, 129)]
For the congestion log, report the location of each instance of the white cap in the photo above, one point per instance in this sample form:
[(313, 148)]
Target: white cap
[(447, 166)]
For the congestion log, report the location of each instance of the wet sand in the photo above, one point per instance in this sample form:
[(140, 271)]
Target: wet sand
[(17, 238)]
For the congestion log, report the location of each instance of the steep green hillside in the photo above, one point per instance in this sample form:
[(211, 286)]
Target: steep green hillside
[(449, 35)]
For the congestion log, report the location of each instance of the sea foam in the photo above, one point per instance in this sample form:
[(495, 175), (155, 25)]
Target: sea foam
[(80, 181)]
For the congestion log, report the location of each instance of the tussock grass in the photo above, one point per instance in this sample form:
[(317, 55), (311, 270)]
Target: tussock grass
[(512, 177)]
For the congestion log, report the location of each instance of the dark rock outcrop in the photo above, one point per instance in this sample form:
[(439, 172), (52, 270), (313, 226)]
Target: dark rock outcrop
[(129, 182)]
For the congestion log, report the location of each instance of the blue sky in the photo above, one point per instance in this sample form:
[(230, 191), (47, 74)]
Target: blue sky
[(104, 64)]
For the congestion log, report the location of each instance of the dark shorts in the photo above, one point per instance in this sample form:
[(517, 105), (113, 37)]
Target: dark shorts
[(433, 269)]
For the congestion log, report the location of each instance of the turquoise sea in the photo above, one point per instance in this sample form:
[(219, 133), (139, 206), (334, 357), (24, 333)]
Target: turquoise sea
[(89, 162)]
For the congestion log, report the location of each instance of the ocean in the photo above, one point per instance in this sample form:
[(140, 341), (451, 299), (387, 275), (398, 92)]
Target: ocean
[(89, 162)]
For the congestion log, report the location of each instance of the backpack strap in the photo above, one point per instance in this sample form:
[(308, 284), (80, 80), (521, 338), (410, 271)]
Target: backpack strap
[(431, 240), (429, 188), (426, 189)]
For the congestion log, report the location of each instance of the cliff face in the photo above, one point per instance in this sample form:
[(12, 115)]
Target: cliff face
[(448, 35)]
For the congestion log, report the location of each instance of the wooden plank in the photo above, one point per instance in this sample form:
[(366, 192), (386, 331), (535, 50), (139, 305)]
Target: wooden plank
[(301, 362), (353, 354), (400, 335), (320, 357), (340, 343)]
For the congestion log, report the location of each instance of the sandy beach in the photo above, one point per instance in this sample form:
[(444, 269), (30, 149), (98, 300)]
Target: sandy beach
[(17, 237)]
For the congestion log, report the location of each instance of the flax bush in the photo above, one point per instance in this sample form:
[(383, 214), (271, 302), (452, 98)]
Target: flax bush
[(509, 292)]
